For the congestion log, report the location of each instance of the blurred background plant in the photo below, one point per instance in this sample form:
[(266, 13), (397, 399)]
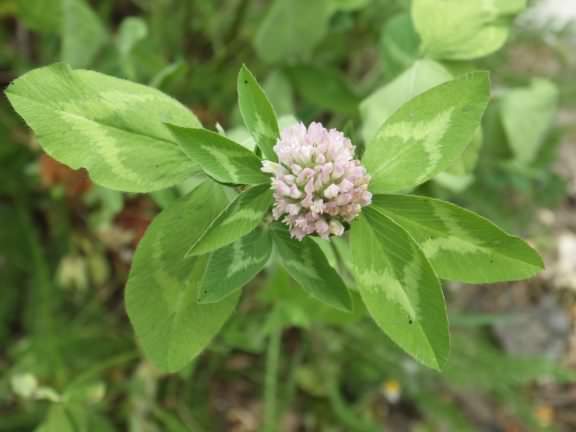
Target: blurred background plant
[(68, 359)]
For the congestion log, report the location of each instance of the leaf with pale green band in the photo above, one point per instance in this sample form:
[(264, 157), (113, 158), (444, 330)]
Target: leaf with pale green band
[(426, 134), (112, 127), (461, 245), (399, 288), (233, 266), (421, 76), (463, 30), (220, 158), (241, 217), (306, 263), (257, 113), (163, 286)]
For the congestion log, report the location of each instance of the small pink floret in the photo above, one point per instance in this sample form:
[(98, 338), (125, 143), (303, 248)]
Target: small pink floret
[(318, 185)]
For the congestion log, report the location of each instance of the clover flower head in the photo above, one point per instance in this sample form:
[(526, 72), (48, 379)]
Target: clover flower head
[(318, 185)]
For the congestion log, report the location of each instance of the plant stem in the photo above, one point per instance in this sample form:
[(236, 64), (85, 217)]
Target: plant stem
[(271, 377)]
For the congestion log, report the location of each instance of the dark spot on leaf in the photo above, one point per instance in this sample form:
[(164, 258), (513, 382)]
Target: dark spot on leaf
[(410, 322), (245, 81)]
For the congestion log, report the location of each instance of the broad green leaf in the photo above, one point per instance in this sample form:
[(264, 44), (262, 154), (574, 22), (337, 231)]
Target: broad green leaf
[(111, 127), (65, 418), (307, 265), (461, 245), (233, 266), (463, 30), (399, 44), (459, 175), (399, 288), (326, 88), (279, 91), (220, 158), (257, 113), (420, 77), (83, 34), (291, 29), (527, 114), (426, 134), (170, 325), (348, 5), (238, 219), (40, 15)]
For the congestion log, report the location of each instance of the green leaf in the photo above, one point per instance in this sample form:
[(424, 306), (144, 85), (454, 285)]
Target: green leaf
[(463, 30), (291, 29), (220, 158), (527, 115), (307, 265), (83, 34), (426, 134), (111, 127), (299, 309), (238, 219), (233, 266), (279, 91), (65, 418), (420, 77), (323, 87), (132, 31), (399, 288), (399, 44), (163, 286), (257, 113), (348, 5), (461, 245), (40, 15)]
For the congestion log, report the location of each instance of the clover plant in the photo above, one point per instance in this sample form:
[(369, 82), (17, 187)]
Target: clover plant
[(298, 191)]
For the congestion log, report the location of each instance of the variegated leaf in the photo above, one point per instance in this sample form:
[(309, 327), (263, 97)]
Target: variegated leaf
[(399, 288), (233, 266), (257, 113), (220, 158), (241, 217), (171, 326), (419, 77), (426, 134), (306, 263), (461, 245), (111, 127)]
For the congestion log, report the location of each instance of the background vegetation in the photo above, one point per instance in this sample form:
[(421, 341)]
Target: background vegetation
[(69, 361)]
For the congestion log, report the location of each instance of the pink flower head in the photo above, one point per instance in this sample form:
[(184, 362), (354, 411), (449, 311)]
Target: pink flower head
[(318, 185)]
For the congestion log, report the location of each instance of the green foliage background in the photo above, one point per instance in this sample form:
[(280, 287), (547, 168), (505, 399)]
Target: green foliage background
[(283, 362)]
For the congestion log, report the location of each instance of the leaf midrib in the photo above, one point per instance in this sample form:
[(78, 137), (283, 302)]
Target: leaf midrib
[(98, 122)]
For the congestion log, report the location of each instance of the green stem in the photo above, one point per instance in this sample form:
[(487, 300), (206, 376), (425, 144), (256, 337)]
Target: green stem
[(271, 378), (101, 367)]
